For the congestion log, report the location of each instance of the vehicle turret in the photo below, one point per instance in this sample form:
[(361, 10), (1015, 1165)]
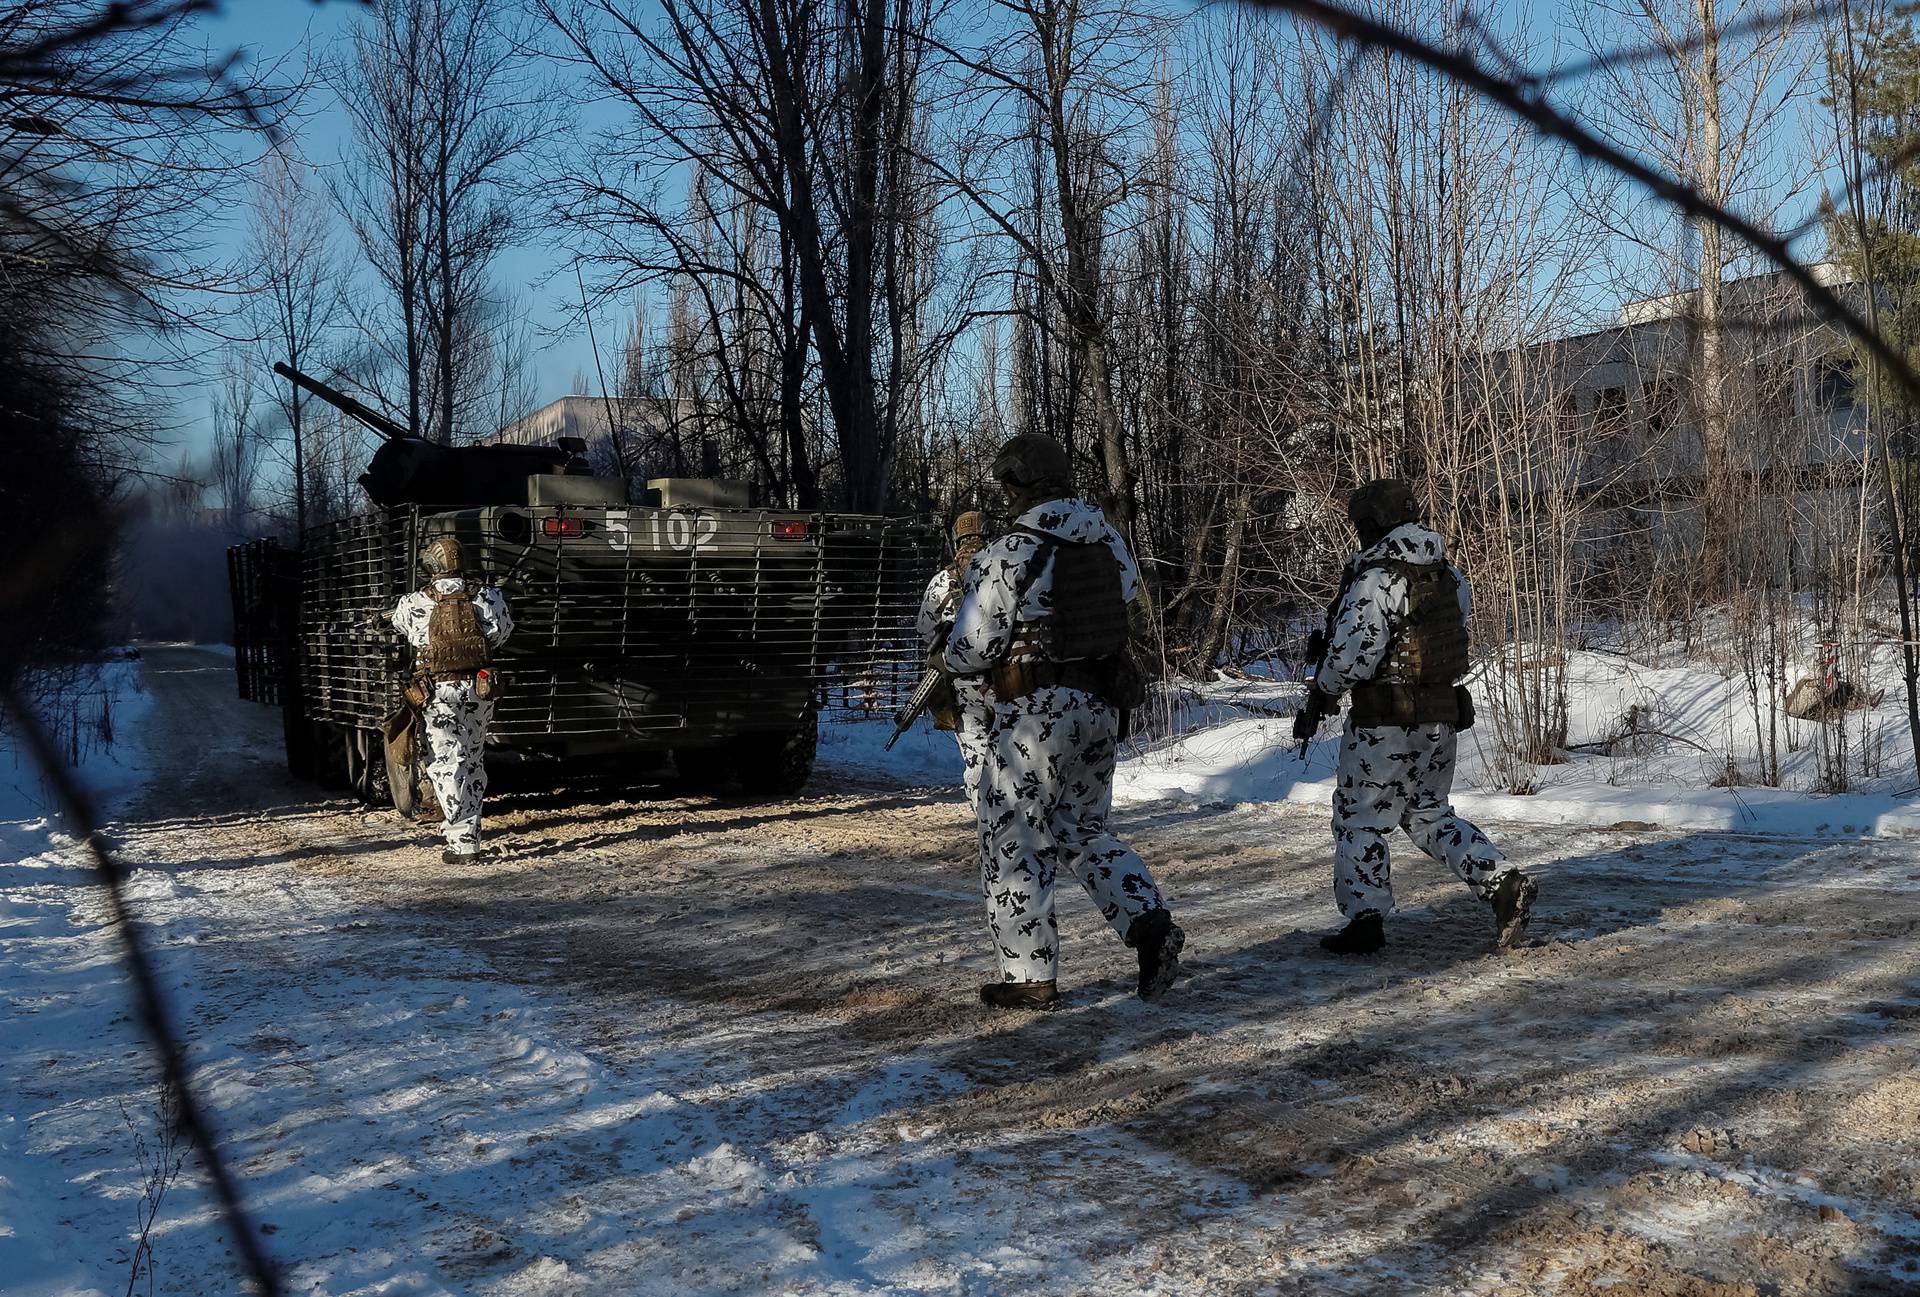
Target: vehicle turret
[(407, 469)]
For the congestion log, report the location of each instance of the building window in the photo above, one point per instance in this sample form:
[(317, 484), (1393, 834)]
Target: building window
[(1658, 398), (1837, 388)]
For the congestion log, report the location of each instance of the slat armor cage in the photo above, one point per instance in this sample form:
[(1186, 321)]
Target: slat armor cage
[(262, 580), (632, 626)]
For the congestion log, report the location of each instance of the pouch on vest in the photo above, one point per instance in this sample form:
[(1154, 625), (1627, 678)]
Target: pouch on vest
[(1403, 705), (1020, 677), (1414, 684), (455, 644), (1430, 647)]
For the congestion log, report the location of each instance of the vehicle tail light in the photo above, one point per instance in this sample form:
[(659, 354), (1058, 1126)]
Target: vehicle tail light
[(790, 530), (563, 526)]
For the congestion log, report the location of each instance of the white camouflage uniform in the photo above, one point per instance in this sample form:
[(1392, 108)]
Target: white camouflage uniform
[(453, 729), (974, 701), (1392, 775), (1050, 788)]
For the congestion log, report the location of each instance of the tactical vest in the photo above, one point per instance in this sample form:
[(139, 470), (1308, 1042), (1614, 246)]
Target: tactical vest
[(1086, 613), (456, 648), (1415, 682), (1080, 641)]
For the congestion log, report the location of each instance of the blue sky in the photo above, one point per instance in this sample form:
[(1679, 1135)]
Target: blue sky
[(270, 29), (266, 30)]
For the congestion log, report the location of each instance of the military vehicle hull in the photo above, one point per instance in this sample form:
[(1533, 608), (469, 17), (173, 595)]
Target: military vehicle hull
[(719, 635)]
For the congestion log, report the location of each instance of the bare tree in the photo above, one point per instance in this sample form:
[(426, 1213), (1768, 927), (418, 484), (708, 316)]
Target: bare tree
[(1872, 55), (296, 300), (385, 194), (1210, 310), (1078, 81), (114, 147), (440, 108), (513, 344), (119, 142), (801, 122), (236, 442), (1707, 109), (1446, 258)]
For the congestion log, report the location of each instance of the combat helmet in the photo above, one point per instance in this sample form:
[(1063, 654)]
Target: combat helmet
[(969, 537), (1379, 506), (441, 557), (1035, 466), (971, 525)]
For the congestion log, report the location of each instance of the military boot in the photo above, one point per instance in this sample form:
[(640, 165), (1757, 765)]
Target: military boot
[(1158, 940), (452, 857), (1019, 995), (1363, 935), (1513, 897)]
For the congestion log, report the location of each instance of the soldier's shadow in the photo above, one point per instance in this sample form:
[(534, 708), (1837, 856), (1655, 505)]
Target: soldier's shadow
[(718, 816), (1585, 897)]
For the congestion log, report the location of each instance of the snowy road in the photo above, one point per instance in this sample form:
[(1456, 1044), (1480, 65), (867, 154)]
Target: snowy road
[(680, 1047)]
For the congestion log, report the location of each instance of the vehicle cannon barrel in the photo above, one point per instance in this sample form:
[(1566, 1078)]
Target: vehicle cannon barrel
[(380, 423), (407, 469)]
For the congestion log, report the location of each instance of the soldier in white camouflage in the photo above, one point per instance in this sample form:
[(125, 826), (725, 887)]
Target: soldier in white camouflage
[(453, 625), (1043, 621), (967, 712), (1397, 643)]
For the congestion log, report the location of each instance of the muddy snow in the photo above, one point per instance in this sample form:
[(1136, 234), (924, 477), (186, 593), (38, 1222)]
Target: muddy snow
[(654, 1044)]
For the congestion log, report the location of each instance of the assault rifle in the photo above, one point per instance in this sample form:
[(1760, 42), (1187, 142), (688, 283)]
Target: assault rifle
[(1307, 723), (917, 701)]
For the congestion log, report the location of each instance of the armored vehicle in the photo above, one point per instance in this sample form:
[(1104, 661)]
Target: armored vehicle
[(685, 621)]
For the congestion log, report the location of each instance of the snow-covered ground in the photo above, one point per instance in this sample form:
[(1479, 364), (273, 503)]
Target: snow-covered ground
[(104, 727), (923, 755), (1229, 742), (676, 1046), (1235, 746)]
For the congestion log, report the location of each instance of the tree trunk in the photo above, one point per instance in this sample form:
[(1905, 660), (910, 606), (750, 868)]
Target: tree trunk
[(1080, 218), (1228, 589), (447, 310), (846, 366), (1714, 417), (863, 449), (299, 470)]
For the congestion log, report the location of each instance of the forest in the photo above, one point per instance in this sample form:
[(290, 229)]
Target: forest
[(1235, 259)]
